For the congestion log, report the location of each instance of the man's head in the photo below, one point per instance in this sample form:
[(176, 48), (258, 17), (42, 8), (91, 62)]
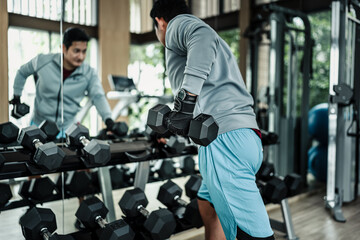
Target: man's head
[(165, 10), (74, 47)]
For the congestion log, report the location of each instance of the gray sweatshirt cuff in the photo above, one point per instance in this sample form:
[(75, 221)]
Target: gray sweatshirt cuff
[(192, 84)]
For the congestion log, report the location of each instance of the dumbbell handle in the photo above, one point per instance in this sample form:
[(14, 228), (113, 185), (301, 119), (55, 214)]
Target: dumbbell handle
[(102, 222), (180, 201), (143, 211), (37, 143), (45, 233), (84, 141)]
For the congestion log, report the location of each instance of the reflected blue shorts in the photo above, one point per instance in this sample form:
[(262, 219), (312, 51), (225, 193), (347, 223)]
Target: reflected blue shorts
[(228, 166), (60, 135)]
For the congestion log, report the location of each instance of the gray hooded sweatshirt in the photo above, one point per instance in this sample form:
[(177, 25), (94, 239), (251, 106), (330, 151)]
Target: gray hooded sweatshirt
[(199, 61), (47, 106)]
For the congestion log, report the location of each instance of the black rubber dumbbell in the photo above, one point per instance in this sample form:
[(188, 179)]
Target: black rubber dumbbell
[(174, 144), (50, 129), (119, 130), (187, 166), (37, 189), (266, 171), (77, 183), (40, 224), (160, 224), (293, 183), (8, 133), (2, 160), (273, 191), (92, 213), (203, 128), (192, 186), (95, 152), (5, 195), (47, 155), (170, 195), (162, 170), (19, 110)]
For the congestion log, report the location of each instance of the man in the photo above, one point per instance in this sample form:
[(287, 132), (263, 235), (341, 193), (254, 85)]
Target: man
[(78, 79), (205, 78)]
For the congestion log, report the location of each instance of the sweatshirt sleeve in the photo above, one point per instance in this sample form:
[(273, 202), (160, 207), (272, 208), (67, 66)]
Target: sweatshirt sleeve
[(23, 73), (200, 43), (97, 96)]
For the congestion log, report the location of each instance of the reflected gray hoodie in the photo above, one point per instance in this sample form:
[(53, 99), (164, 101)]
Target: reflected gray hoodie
[(47, 106), (199, 61)]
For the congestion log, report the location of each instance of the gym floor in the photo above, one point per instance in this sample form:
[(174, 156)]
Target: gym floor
[(310, 219)]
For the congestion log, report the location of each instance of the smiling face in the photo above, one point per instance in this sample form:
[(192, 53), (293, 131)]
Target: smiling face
[(75, 55)]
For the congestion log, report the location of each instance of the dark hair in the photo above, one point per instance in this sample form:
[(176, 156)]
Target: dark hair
[(168, 9), (74, 34)]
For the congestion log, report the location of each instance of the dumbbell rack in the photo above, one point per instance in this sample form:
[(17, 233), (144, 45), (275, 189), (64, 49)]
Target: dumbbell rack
[(18, 164), (286, 226)]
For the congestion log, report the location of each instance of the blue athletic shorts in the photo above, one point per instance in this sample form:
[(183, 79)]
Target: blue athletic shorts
[(228, 166)]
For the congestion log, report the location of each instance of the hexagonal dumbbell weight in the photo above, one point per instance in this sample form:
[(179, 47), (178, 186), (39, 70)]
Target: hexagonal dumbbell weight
[(273, 191), (170, 195), (92, 213), (5, 195), (203, 128), (20, 110), (8, 132), (96, 152), (39, 224), (160, 224), (50, 129), (37, 189), (47, 155), (192, 186)]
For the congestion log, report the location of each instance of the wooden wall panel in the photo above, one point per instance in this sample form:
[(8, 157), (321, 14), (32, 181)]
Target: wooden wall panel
[(114, 39), (4, 106)]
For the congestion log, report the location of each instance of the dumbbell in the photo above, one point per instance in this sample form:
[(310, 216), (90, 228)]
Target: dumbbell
[(92, 213), (170, 195), (19, 110), (203, 128), (39, 224), (50, 129), (47, 155), (273, 191), (77, 183), (119, 130), (266, 171), (293, 183), (37, 189), (96, 152), (5, 195), (163, 169), (116, 177), (174, 144), (192, 186), (160, 224), (8, 133), (2, 160), (187, 165)]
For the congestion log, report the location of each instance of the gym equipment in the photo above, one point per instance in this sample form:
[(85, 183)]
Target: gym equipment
[(47, 155), (160, 224), (50, 129), (19, 110), (92, 213), (266, 171), (37, 189), (2, 160), (318, 162), (96, 152), (162, 170), (319, 123), (273, 191), (203, 128), (119, 130), (293, 183), (8, 132), (77, 183), (187, 165), (170, 195), (116, 177), (5, 195), (39, 224), (192, 186)]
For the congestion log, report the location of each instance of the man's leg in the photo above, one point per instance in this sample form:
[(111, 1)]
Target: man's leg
[(213, 229)]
